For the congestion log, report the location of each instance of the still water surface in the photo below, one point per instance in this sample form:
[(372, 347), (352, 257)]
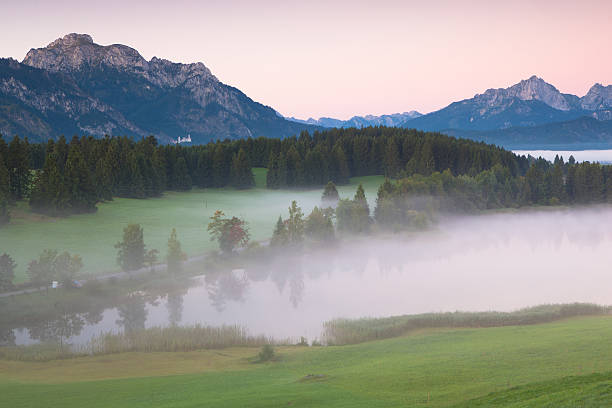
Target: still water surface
[(488, 262)]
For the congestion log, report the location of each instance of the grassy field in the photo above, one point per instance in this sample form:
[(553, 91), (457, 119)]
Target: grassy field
[(94, 235), (554, 364)]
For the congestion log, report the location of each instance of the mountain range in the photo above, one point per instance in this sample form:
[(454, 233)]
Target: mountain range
[(392, 120), (75, 86), (529, 113)]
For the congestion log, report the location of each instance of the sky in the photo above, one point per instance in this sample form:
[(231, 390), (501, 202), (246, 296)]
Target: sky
[(343, 58)]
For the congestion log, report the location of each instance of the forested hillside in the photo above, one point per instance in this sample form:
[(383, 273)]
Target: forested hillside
[(62, 178)]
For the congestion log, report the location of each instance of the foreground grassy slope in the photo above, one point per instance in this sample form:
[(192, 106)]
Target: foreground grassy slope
[(94, 235), (506, 366)]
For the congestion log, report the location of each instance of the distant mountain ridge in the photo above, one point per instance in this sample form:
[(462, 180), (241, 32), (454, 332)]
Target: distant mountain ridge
[(392, 120), (75, 86), (531, 102), (581, 133), (526, 114)]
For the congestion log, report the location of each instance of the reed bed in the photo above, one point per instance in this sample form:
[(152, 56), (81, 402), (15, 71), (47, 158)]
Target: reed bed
[(353, 331), (154, 339), (174, 338)]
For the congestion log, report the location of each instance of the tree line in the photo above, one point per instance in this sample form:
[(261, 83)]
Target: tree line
[(62, 178), (132, 254)]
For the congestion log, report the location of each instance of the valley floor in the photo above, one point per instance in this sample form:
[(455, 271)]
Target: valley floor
[(562, 364)]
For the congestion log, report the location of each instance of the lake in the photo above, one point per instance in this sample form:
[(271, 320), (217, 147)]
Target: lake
[(601, 156), (476, 263)]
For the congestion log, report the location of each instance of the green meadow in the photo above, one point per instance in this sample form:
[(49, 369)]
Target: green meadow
[(93, 236), (567, 363)]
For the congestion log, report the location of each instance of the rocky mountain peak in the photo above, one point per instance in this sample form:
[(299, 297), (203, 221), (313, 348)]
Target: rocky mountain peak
[(71, 40), (598, 97), (76, 51), (534, 88)]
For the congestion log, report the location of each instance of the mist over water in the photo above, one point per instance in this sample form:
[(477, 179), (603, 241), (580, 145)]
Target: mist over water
[(488, 262)]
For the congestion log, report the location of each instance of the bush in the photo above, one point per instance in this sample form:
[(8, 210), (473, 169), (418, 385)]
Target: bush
[(266, 353)]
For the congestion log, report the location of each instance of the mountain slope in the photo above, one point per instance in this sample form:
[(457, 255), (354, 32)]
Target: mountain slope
[(581, 133), (531, 102), (126, 95)]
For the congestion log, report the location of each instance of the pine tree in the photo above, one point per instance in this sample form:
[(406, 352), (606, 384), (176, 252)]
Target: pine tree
[(280, 236), (330, 195), (4, 193), (361, 211), (131, 249), (318, 225), (272, 176), (18, 165), (392, 158), (104, 180), (182, 180), (340, 170), (79, 183), (7, 272), (295, 224), (175, 254), (242, 176), (220, 166)]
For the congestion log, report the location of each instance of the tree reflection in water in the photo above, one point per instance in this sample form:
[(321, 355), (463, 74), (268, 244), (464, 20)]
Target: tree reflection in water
[(226, 286), (133, 312)]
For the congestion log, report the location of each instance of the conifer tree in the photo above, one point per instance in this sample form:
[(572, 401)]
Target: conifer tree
[(318, 225), (131, 249), (340, 170), (182, 180), (272, 176), (280, 236), (220, 166), (18, 165), (175, 256), (4, 193), (392, 158), (242, 176), (7, 272), (78, 182), (330, 195), (295, 224), (104, 180)]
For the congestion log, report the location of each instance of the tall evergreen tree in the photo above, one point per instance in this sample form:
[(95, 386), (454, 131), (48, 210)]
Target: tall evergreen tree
[(104, 179), (295, 224), (7, 272), (330, 195), (339, 172), (5, 190), (392, 158), (182, 180), (242, 176), (175, 255), (18, 164), (280, 236), (272, 176), (78, 182), (131, 249)]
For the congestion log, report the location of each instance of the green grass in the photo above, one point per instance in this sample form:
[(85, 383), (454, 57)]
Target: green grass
[(594, 390), (93, 235), (518, 366), (352, 331)]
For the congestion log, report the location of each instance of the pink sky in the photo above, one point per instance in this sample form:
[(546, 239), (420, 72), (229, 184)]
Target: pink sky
[(344, 58)]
